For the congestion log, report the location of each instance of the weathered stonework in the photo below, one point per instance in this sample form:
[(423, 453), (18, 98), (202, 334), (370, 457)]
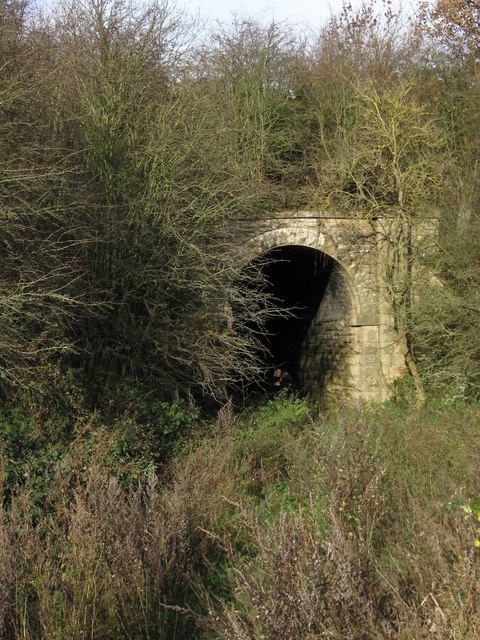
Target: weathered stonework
[(352, 349)]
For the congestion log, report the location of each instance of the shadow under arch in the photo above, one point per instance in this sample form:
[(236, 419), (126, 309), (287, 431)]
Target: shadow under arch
[(313, 342), (267, 241)]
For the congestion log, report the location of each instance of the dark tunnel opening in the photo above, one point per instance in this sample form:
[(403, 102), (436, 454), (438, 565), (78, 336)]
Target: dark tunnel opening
[(297, 277)]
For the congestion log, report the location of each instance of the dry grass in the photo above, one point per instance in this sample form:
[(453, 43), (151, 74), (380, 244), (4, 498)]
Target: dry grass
[(358, 534), (370, 541)]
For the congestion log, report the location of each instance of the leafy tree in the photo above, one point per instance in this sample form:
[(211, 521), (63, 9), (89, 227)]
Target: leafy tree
[(456, 24)]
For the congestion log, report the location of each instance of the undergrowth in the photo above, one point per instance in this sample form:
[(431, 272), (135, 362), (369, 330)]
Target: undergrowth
[(276, 523)]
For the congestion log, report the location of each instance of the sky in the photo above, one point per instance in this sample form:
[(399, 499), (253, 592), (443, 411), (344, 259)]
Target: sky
[(313, 13)]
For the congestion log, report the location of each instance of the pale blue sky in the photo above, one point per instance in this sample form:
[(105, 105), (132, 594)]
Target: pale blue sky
[(313, 13)]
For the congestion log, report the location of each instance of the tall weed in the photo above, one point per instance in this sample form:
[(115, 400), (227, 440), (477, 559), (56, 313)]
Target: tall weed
[(271, 525)]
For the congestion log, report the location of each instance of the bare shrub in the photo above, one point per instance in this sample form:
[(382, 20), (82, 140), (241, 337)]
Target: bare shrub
[(105, 562), (301, 584), (362, 547), (364, 532), (309, 571)]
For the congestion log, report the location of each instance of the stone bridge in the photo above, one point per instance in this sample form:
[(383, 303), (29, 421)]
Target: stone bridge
[(342, 342)]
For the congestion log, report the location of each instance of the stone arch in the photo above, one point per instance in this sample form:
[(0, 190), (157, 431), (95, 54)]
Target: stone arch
[(374, 350), (303, 237), (326, 348)]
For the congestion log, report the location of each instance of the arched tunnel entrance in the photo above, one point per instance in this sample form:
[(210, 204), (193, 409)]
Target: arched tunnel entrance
[(312, 341)]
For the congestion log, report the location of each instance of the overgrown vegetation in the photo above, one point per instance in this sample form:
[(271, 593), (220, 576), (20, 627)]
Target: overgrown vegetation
[(127, 146), (277, 524)]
